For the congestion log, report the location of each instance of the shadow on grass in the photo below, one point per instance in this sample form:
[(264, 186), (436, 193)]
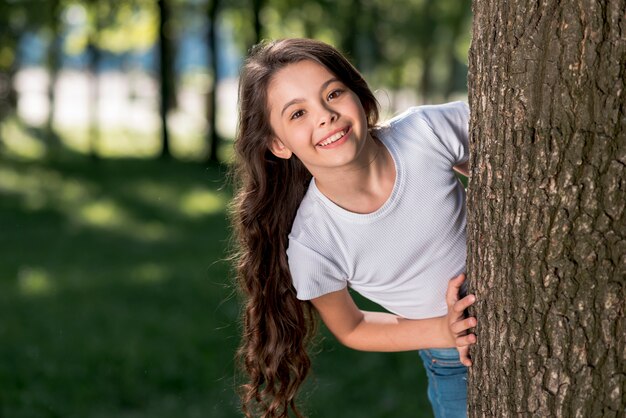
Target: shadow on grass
[(116, 301)]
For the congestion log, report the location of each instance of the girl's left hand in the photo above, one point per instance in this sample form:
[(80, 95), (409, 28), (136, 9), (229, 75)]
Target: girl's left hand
[(458, 325)]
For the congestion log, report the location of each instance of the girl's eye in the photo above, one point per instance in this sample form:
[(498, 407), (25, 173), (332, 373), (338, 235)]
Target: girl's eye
[(334, 94), (297, 114)]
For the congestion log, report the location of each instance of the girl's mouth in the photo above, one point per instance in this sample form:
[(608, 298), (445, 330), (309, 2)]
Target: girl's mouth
[(334, 138)]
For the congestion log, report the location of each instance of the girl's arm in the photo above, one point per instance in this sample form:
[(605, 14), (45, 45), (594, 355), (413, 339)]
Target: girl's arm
[(379, 331)]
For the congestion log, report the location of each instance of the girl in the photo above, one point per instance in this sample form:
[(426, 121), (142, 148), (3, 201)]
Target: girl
[(328, 200)]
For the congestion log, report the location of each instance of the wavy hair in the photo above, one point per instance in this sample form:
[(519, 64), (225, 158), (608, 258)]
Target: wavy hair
[(268, 190)]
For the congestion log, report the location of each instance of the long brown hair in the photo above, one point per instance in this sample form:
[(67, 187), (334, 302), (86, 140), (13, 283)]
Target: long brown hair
[(276, 325)]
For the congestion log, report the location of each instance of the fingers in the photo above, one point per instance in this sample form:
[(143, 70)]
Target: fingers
[(464, 303), (464, 356), (463, 325), (465, 340), (454, 285), (459, 325)]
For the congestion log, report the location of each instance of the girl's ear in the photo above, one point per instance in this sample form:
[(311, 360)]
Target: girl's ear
[(278, 148)]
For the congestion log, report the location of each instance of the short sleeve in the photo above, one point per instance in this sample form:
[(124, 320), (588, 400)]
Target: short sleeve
[(450, 123), (313, 275)]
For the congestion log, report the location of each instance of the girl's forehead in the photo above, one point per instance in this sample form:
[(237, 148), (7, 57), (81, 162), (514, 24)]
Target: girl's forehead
[(306, 71), (300, 78)]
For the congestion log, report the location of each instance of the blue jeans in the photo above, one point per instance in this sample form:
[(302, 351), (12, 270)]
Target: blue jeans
[(447, 382)]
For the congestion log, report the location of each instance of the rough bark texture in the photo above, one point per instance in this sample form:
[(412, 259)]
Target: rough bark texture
[(546, 218)]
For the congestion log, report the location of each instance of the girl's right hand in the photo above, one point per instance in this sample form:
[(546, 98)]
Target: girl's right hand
[(458, 325)]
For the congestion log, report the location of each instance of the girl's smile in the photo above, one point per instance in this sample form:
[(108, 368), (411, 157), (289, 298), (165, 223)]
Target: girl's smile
[(335, 139)]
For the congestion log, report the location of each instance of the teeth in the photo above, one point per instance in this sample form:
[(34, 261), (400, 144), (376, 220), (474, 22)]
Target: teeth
[(332, 139)]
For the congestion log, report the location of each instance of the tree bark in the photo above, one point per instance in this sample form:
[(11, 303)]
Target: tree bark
[(546, 227)]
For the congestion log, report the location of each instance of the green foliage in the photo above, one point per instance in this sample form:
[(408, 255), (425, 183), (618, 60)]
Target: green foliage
[(392, 43), (112, 26), (15, 18)]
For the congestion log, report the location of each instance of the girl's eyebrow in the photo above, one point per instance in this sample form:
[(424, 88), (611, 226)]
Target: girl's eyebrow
[(327, 82), (295, 101), (289, 103)]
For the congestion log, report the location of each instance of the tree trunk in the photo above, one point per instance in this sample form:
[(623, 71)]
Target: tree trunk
[(166, 74), (351, 12), (54, 58), (94, 83), (456, 69), (427, 49), (8, 97), (546, 228), (214, 138), (257, 6)]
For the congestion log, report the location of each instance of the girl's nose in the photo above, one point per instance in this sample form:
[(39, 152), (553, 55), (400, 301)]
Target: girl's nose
[(327, 116)]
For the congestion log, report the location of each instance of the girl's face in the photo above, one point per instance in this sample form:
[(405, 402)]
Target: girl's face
[(316, 117)]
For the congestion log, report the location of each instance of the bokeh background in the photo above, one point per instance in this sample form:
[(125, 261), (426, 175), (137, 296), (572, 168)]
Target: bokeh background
[(116, 128)]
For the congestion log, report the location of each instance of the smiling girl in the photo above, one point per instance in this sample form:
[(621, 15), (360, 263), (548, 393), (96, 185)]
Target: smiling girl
[(328, 200)]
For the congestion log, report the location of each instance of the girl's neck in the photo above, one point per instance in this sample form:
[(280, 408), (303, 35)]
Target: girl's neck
[(365, 186)]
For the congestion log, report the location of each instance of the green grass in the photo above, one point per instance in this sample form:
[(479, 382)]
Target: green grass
[(115, 301)]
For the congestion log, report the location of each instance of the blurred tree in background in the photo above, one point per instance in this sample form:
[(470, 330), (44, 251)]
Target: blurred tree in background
[(177, 61)]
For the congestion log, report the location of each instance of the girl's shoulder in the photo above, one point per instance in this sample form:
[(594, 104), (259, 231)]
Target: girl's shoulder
[(431, 114), (442, 128), (440, 121)]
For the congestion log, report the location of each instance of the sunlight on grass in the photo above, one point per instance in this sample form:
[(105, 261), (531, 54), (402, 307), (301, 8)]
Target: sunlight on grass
[(34, 282), (74, 190), (21, 143), (193, 203), (103, 213), (200, 202), (188, 134), (107, 214), (149, 273), (154, 193), (227, 152), (128, 143), (76, 139), (29, 185), (45, 188), (112, 143), (18, 140), (190, 147)]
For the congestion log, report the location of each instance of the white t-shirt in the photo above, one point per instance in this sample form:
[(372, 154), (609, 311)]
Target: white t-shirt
[(402, 255)]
